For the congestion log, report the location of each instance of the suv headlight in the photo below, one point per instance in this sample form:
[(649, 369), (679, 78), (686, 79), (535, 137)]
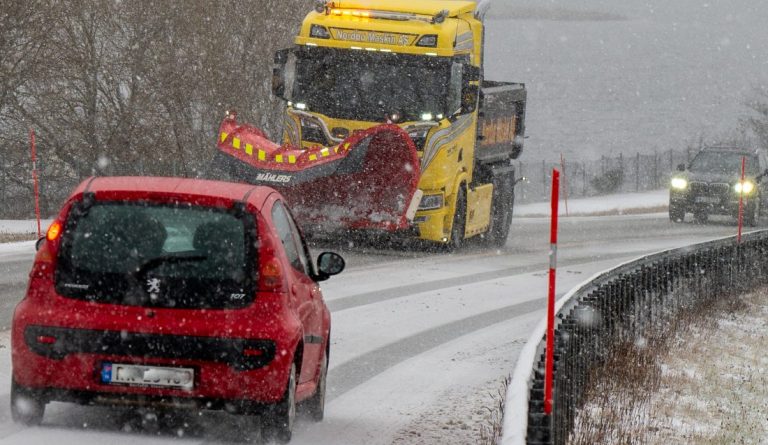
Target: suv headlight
[(745, 187), (431, 202), (679, 183)]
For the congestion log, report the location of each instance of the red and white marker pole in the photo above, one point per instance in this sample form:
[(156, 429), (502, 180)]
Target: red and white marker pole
[(34, 179), (741, 199), (550, 356)]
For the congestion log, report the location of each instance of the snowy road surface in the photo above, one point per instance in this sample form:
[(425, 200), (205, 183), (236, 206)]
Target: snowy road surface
[(420, 340), (15, 262)]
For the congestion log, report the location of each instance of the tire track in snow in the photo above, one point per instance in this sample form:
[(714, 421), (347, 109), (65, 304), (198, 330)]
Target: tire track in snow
[(350, 374), (391, 293), (7, 427)]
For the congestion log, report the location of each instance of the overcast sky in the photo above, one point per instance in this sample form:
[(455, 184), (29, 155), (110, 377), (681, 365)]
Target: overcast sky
[(608, 76)]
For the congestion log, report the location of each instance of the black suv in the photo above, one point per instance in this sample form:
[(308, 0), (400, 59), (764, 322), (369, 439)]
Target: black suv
[(712, 185)]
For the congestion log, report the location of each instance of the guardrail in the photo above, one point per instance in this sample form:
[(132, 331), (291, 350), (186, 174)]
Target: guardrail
[(613, 307)]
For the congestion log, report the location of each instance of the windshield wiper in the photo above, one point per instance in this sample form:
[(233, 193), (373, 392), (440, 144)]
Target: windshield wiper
[(179, 257)]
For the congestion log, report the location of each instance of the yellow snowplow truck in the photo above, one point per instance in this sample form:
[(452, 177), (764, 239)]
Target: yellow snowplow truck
[(390, 124)]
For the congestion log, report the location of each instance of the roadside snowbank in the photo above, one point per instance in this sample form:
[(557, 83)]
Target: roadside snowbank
[(23, 226), (621, 203)]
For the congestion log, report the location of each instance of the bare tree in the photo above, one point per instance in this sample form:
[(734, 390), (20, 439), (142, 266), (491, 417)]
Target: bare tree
[(140, 87), (757, 122), (22, 46)]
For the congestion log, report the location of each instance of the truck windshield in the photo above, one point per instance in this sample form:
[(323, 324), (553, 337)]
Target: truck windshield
[(367, 86), (723, 162)]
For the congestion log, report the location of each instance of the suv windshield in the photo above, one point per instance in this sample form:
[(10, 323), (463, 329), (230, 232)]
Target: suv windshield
[(156, 255), (367, 86), (723, 163)]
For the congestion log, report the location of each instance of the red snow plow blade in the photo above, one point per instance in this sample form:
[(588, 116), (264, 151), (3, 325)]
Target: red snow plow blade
[(368, 181)]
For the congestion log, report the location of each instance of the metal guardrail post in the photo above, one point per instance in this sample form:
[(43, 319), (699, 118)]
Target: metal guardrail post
[(560, 387)]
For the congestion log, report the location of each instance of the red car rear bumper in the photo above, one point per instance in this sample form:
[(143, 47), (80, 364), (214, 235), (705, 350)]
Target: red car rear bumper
[(62, 351)]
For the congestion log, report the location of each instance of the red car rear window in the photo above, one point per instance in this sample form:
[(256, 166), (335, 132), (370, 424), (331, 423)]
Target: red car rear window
[(158, 255)]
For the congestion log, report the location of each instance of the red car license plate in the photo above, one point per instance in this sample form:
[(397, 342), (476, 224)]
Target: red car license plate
[(142, 375)]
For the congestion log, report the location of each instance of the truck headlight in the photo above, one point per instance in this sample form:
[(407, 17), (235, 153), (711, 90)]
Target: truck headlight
[(745, 187), (319, 32), (429, 40), (679, 183), (431, 202)]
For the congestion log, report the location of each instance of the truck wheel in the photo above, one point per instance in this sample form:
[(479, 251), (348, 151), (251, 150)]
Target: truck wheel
[(501, 212), (676, 213), (459, 226), (27, 406), (278, 422)]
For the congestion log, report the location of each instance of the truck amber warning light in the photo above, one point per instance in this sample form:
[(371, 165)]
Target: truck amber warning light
[(347, 12), (329, 9)]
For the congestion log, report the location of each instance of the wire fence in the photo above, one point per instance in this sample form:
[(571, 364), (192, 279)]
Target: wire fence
[(623, 173)]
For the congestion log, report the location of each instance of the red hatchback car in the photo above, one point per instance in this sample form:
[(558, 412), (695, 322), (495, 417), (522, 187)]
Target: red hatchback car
[(177, 293)]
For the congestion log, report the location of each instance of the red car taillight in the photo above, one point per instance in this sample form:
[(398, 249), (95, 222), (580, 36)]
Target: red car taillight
[(54, 231), (271, 274), (45, 260)]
